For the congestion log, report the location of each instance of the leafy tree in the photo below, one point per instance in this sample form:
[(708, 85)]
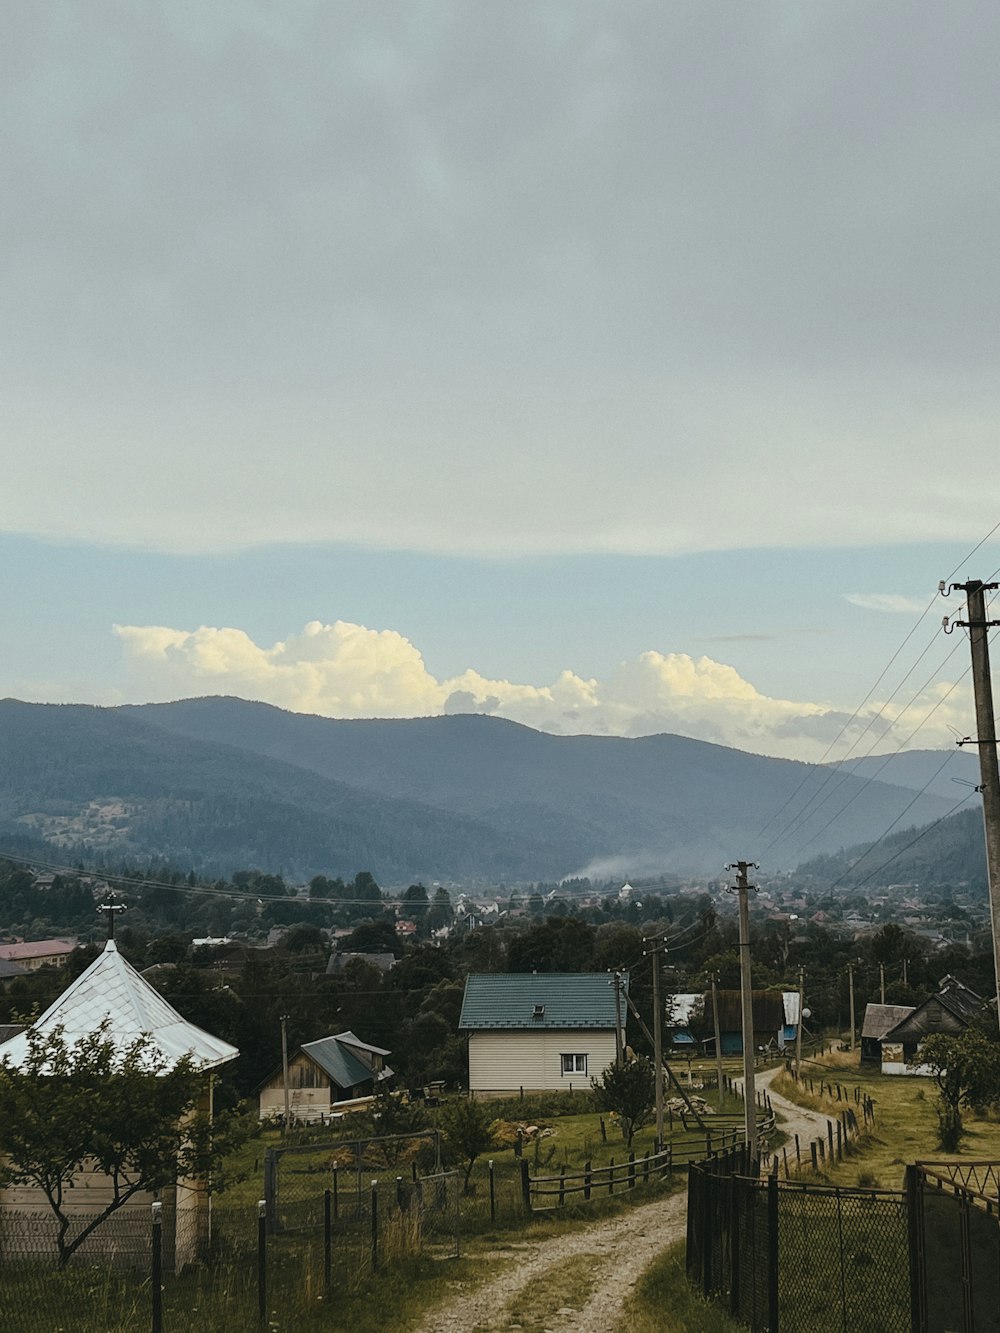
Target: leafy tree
[(390, 1115), (305, 938), (468, 1127), (967, 1071), (441, 912), (126, 1111), (630, 1091)]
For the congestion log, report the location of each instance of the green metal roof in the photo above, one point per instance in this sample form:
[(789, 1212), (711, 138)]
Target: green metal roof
[(566, 999), (335, 1057)]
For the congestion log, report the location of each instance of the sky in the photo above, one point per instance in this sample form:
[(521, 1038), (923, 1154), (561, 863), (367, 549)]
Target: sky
[(616, 367)]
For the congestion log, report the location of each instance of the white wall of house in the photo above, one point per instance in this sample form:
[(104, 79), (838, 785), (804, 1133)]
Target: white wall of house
[(504, 1062)]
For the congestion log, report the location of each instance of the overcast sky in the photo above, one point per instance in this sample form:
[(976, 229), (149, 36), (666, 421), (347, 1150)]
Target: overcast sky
[(624, 340)]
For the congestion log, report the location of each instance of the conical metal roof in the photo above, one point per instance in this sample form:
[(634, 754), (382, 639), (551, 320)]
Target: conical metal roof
[(112, 989)]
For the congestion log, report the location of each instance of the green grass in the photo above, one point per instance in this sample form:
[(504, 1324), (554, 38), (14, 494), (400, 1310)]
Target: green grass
[(905, 1128), (665, 1302)]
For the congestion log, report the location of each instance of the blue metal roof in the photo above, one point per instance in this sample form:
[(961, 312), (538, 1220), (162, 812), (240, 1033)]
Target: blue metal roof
[(526, 1000)]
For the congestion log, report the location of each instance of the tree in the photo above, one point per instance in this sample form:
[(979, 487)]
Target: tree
[(468, 1127), (967, 1071), (630, 1091), (125, 1111)]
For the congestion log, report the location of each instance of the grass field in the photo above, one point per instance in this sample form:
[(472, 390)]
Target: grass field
[(905, 1127)]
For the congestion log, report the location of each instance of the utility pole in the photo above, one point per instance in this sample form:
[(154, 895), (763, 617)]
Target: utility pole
[(881, 983), (657, 1042), (798, 1030), (746, 995), (850, 982), (284, 1067), (619, 1036), (718, 1039), (989, 772), (905, 961)]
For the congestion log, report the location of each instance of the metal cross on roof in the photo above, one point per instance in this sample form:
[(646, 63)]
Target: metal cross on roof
[(111, 907)]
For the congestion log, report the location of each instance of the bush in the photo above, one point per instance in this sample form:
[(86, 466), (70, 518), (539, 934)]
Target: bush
[(542, 1105)]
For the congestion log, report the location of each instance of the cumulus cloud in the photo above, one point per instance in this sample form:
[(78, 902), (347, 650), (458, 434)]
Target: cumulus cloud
[(348, 670)]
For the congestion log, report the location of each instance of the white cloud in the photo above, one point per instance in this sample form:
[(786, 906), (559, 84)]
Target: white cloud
[(348, 670), (891, 602)]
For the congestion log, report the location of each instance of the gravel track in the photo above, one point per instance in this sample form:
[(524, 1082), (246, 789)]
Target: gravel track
[(621, 1249)]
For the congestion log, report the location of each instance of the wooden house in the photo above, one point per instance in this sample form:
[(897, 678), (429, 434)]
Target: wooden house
[(949, 1011), (879, 1019), (775, 1019), (111, 990), (538, 1031), (324, 1075)]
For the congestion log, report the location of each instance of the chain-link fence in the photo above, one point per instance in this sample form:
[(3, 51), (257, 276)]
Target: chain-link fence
[(126, 1277), (956, 1273), (295, 1177), (788, 1255)]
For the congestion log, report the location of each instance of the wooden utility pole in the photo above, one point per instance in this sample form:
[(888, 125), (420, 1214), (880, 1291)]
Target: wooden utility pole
[(742, 888), (284, 1067), (798, 1029), (657, 1042), (905, 962), (881, 983), (986, 738), (619, 1035), (850, 982), (718, 1039)]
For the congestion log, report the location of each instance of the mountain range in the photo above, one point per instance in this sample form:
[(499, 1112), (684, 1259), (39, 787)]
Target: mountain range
[(219, 783)]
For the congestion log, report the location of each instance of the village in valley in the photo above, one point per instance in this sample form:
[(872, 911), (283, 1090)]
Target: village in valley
[(436, 1069)]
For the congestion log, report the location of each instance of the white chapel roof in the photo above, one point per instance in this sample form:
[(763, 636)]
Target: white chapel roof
[(112, 989)]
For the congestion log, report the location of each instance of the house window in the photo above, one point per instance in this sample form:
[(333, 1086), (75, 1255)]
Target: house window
[(574, 1064)]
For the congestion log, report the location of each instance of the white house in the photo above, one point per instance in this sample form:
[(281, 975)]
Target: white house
[(538, 1031)]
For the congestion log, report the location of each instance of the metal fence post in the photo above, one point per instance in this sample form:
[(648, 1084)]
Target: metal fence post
[(399, 1193), (772, 1254), (336, 1209), (493, 1194), (156, 1267), (262, 1262), (374, 1225), (327, 1239), (915, 1249)]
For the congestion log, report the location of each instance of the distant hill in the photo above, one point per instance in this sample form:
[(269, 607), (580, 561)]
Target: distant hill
[(953, 852), (105, 780), (941, 773), (568, 804)]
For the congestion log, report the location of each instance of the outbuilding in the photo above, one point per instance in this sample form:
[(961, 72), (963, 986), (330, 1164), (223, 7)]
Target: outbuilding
[(111, 991)]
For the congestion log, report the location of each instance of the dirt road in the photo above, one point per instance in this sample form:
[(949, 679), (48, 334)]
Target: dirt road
[(578, 1282), (600, 1264)]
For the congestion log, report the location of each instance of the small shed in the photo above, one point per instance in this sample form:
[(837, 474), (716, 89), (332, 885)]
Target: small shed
[(111, 990), (323, 1074), (879, 1019), (540, 1031)]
